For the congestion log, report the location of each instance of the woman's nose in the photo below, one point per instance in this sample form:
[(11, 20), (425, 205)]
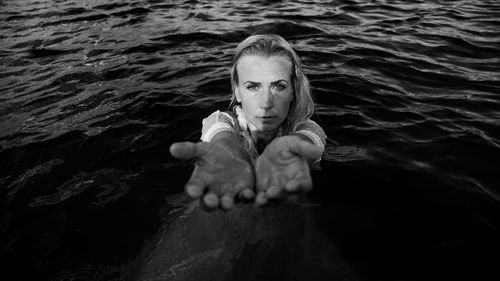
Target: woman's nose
[(266, 101)]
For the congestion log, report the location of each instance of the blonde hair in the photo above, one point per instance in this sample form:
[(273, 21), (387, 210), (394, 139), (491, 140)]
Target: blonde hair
[(268, 45)]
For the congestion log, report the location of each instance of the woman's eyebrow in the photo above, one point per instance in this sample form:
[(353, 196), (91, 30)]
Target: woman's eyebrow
[(279, 81), (273, 82)]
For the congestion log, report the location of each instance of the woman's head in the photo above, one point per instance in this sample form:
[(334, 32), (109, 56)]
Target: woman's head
[(273, 49)]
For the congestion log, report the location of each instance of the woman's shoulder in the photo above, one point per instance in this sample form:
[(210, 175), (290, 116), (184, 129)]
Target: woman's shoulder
[(216, 122), (312, 130), (307, 124), (219, 116)]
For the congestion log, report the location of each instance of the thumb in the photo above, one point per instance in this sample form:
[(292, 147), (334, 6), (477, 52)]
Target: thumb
[(188, 150), (304, 149)]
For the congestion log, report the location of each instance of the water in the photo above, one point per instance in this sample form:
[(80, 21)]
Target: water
[(94, 92)]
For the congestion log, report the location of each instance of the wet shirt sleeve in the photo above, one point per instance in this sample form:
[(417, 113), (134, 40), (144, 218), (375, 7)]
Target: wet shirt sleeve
[(215, 123), (312, 131)]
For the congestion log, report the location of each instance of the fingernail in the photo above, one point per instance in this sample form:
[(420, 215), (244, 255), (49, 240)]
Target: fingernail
[(247, 194), (193, 191), (227, 202), (292, 186), (273, 191), (211, 200), (261, 199)]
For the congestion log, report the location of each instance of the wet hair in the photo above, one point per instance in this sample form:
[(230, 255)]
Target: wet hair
[(270, 45)]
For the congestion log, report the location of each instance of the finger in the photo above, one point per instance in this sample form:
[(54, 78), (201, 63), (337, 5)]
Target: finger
[(227, 202), (307, 185), (299, 185), (263, 182), (304, 183), (303, 179), (261, 199), (304, 149), (194, 191), (195, 186), (188, 150), (273, 192), (211, 200), (292, 186), (246, 194)]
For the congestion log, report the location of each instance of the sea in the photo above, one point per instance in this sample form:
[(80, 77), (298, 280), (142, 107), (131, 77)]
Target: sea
[(94, 92)]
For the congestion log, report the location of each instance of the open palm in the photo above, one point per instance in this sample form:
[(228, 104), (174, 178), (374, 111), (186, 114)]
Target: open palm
[(283, 168), (221, 174)]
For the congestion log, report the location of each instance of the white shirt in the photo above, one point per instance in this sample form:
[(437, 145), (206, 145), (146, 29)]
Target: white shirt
[(237, 123)]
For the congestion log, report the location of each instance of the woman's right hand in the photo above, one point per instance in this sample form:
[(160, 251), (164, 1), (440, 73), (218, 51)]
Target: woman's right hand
[(223, 172), (282, 169)]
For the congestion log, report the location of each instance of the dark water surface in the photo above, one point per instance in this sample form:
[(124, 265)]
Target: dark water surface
[(94, 92)]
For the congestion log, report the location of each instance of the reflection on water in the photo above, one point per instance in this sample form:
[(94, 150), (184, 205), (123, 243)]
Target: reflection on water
[(278, 243), (94, 92)]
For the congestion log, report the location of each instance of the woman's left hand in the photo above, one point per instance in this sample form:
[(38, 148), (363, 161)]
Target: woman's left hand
[(282, 169)]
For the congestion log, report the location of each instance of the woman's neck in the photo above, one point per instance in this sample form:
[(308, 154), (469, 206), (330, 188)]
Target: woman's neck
[(262, 139)]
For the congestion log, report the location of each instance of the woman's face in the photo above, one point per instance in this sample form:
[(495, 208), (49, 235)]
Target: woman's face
[(264, 90)]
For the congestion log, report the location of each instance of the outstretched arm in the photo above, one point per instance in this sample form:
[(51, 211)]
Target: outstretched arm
[(223, 171), (283, 168)]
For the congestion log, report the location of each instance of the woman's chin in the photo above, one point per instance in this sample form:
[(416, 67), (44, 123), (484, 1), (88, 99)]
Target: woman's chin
[(267, 128), (264, 127)]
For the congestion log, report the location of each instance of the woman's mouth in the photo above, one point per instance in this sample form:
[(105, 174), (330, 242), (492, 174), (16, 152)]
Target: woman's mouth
[(267, 119)]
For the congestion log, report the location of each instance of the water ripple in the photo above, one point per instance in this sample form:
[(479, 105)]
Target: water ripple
[(94, 91)]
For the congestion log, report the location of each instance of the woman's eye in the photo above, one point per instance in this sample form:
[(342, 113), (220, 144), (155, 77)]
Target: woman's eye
[(251, 87), (279, 87)]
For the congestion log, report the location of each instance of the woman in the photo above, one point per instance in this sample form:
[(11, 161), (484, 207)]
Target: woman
[(264, 147), (261, 149)]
